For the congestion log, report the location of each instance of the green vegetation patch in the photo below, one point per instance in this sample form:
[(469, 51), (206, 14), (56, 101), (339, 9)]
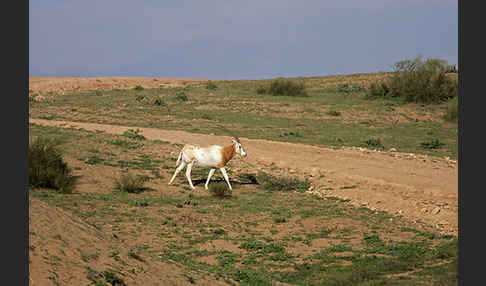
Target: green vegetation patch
[(47, 168)]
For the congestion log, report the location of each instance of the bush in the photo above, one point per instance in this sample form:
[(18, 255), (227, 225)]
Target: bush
[(333, 112), (133, 134), (130, 183), (378, 90), (284, 87), (432, 144), (417, 81), (261, 90), (210, 85), (248, 177), (159, 102), (162, 102), (373, 143), (47, 168), (140, 97), (291, 133), (219, 189), (273, 183), (452, 110), (181, 96), (138, 87), (346, 88)]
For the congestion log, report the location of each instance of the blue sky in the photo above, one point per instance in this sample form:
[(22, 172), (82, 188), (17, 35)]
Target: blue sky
[(236, 39)]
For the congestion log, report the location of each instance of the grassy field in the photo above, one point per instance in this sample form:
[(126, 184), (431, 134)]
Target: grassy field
[(257, 235), (336, 112)]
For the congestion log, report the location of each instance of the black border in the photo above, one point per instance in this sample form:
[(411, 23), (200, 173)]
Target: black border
[(460, 153), (15, 198), (471, 90)]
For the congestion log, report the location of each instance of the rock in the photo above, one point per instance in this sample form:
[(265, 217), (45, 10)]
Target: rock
[(424, 210), (40, 98), (435, 210), (392, 150)]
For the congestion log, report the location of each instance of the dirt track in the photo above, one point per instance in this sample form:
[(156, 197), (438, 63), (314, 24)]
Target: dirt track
[(420, 188)]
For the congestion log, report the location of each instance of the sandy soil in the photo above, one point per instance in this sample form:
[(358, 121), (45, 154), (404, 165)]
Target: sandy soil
[(61, 85), (63, 243), (421, 188)]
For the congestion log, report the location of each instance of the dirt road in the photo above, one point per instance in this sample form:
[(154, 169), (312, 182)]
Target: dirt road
[(420, 188)]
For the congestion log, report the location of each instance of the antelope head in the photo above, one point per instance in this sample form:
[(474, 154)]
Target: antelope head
[(238, 147), (236, 142)]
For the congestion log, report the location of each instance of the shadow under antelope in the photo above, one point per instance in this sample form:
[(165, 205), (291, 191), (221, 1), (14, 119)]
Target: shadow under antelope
[(213, 156)]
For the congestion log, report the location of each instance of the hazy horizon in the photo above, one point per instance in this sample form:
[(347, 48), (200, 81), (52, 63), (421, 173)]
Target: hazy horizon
[(235, 40)]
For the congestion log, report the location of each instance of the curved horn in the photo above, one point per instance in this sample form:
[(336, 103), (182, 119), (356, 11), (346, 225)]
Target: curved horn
[(231, 133)]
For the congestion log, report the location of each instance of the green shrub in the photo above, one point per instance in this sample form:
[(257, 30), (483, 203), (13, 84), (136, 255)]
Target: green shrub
[(251, 178), (452, 110), (334, 113), (138, 87), (112, 279), (261, 90), (373, 143), (432, 144), (346, 88), (417, 81), (92, 160), (291, 133), (282, 183), (422, 82), (140, 98), (133, 134), (130, 183), (127, 144), (159, 102), (181, 96), (162, 102), (47, 168), (210, 85), (378, 90), (219, 189), (284, 87)]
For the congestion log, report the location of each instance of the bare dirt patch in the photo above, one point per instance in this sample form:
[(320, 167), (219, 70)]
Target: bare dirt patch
[(61, 85), (401, 184), (63, 249)]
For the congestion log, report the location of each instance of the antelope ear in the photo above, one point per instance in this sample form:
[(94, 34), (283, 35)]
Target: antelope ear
[(233, 139)]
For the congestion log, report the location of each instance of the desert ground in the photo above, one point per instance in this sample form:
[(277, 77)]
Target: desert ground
[(413, 190)]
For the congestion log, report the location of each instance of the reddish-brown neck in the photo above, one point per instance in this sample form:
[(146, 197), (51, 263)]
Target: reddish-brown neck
[(227, 154)]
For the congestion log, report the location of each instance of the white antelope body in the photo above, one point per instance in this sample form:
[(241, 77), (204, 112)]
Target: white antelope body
[(212, 156)]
